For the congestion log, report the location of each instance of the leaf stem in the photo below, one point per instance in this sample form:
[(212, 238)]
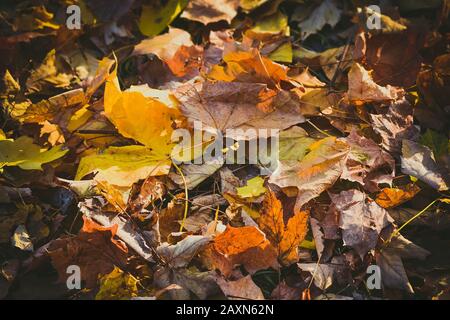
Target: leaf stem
[(396, 232), (186, 196)]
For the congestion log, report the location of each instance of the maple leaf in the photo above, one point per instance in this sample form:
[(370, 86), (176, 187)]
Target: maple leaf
[(94, 250), (251, 67), (317, 171), (246, 246), (361, 220), (27, 155), (231, 105), (142, 118), (286, 238)]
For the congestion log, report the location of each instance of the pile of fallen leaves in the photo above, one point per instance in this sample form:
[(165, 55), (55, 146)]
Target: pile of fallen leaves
[(88, 181)]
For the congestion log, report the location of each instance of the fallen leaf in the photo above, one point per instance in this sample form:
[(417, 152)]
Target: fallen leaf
[(316, 172), (361, 220), (418, 161), (117, 285), (393, 197), (155, 17), (123, 166), (285, 237), (362, 89), (27, 155), (48, 75), (230, 105), (94, 250), (21, 239), (242, 289), (209, 11), (367, 163), (246, 246), (164, 46), (395, 125), (142, 118), (327, 13), (323, 273), (180, 254), (254, 188)]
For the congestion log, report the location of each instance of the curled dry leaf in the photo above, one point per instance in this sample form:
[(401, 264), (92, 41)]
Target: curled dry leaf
[(362, 89), (367, 163), (418, 161), (180, 254), (327, 13), (395, 125)]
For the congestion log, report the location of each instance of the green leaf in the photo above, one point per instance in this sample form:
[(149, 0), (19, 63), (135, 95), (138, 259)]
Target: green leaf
[(254, 188), (155, 18), (436, 142), (26, 155), (122, 166)]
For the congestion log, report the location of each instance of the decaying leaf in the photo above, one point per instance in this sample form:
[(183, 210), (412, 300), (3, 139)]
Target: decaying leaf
[(361, 220), (326, 13), (232, 105), (209, 11)]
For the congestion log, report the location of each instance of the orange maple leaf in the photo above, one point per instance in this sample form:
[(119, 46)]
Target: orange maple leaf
[(286, 238)]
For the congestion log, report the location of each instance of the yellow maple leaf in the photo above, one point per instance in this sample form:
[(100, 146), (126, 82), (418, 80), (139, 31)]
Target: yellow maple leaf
[(140, 117)]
